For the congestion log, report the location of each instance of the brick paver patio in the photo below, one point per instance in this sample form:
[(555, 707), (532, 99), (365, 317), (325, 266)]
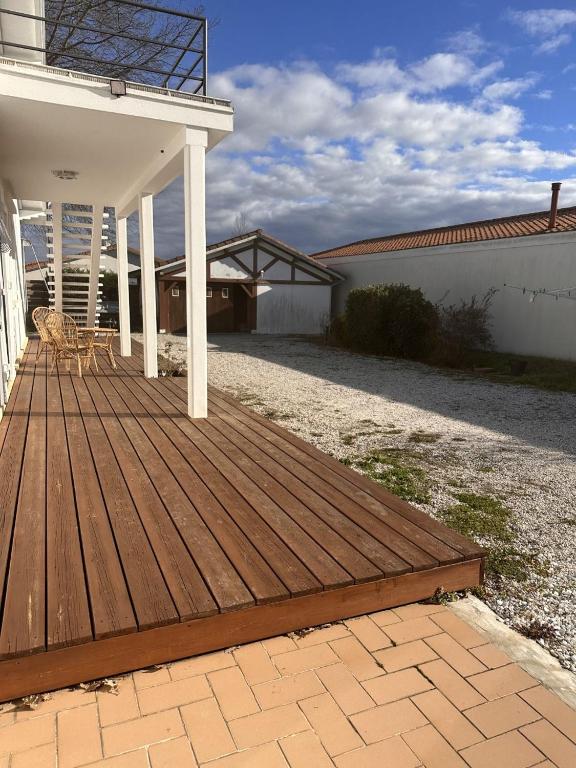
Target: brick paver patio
[(411, 687)]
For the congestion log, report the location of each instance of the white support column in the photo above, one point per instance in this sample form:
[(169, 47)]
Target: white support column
[(123, 289), (57, 254), (195, 230), (95, 255), (146, 214)]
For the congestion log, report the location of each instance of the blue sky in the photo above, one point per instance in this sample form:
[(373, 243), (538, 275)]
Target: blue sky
[(359, 119)]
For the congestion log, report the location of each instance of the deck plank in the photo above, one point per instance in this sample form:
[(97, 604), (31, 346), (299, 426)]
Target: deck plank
[(150, 597), (189, 592), (24, 616), (110, 603), (16, 415), (152, 446), (207, 460), (191, 471), (67, 609)]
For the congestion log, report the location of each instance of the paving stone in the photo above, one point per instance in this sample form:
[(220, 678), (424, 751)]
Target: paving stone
[(305, 658), (136, 759), (207, 730), (353, 654), (173, 694), (388, 720), (383, 618), (233, 693), (501, 715), (19, 737), (255, 663), (331, 725), (503, 681), (280, 644), (511, 750), (448, 720), (458, 629), (201, 665), (416, 610), (40, 757), (176, 753), (552, 743), (264, 756), (346, 691), (304, 750), (397, 685), (458, 657), (369, 633), (268, 725), (323, 635), (553, 709), (406, 655), (432, 749), (451, 684), (79, 736), (121, 707), (490, 656), (148, 678), (391, 753), (58, 702), (412, 629), (139, 733), (288, 690)]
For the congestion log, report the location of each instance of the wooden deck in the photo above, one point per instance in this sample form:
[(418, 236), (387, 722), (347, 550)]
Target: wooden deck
[(131, 535)]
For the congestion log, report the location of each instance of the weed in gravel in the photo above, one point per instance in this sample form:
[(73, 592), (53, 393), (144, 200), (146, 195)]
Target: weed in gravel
[(424, 437), (396, 469), (486, 520), (347, 439), (537, 630), (568, 520)]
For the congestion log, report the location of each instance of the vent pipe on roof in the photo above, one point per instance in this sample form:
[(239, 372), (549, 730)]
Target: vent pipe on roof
[(554, 204)]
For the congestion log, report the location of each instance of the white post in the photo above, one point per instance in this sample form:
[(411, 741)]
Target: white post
[(95, 256), (195, 230), (123, 289), (146, 214), (57, 254)]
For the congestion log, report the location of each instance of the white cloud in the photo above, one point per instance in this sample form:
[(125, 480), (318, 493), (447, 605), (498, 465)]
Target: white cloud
[(545, 94), (508, 89), (468, 42), (551, 25), (324, 157)]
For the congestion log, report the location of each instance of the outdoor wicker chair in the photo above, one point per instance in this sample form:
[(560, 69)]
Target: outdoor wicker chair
[(103, 338), (39, 319), (69, 341)]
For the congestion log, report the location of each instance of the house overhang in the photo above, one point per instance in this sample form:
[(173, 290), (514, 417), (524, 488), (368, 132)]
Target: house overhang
[(53, 119)]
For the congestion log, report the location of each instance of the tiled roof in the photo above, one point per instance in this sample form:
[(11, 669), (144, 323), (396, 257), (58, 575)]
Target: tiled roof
[(471, 232)]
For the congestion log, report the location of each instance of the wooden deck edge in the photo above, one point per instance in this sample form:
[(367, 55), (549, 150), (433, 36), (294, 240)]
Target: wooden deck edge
[(116, 655)]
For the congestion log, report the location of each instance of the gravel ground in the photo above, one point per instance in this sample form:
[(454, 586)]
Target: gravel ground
[(516, 444)]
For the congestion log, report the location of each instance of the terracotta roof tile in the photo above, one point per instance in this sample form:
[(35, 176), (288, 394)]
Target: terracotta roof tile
[(474, 231)]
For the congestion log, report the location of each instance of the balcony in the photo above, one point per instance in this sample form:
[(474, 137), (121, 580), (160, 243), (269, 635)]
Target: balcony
[(120, 41)]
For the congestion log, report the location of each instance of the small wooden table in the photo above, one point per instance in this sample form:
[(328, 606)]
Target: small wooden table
[(102, 339)]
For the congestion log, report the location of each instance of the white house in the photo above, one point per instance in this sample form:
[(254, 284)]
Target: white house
[(83, 147), (254, 282), (530, 259)]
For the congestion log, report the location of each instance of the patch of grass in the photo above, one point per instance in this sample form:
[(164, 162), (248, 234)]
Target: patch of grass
[(540, 372), (421, 436), (486, 520), (397, 471)]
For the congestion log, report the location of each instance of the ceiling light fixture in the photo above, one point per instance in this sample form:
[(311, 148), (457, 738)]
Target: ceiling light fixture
[(66, 175)]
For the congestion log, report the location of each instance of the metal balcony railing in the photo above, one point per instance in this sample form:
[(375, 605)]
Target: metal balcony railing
[(122, 40)]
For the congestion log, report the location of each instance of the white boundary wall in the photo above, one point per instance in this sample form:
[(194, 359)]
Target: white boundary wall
[(12, 293), (545, 327)]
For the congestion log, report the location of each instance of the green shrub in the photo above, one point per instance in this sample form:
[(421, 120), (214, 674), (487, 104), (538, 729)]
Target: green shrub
[(393, 320), (464, 329)]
